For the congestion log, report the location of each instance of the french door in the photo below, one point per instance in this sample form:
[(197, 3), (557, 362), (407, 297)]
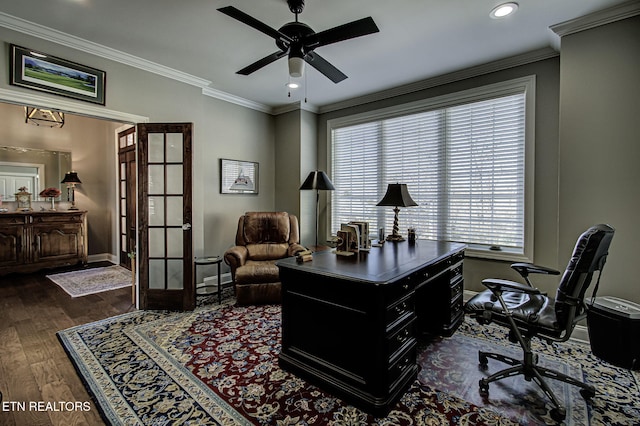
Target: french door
[(127, 196), (165, 213)]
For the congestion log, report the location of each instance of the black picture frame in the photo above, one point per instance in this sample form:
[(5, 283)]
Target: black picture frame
[(40, 71), (239, 177)]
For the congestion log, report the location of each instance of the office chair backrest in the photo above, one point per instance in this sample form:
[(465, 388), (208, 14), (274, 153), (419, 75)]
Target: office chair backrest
[(589, 255)]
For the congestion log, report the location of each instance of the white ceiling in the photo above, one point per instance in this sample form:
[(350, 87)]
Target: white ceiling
[(418, 39)]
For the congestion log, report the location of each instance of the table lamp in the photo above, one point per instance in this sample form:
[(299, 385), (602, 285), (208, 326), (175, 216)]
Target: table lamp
[(317, 180), (397, 196), (71, 179)]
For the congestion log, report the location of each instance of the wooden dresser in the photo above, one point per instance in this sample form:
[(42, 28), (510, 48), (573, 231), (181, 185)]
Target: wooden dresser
[(30, 241), (350, 324)]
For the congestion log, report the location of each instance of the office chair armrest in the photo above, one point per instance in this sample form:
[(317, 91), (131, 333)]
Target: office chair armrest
[(497, 285), (525, 269)]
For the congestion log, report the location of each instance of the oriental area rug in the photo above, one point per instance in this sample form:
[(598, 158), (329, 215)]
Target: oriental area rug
[(218, 365), (92, 280)]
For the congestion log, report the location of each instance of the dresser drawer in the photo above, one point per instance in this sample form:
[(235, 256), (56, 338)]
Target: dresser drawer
[(58, 218), (13, 219)]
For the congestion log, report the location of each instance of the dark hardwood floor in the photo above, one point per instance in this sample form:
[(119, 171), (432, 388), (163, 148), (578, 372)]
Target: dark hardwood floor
[(34, 368)]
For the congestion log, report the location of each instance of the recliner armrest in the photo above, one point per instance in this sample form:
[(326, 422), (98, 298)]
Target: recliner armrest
[(499, 285), (235, 257), (525, 269), (294, 249)]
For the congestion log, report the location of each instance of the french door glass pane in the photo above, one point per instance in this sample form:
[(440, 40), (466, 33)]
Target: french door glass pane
[(156, 242), (174, 274), (174, 147), (174, 179), (156, 273), (156, 179), (174, 237), (156, 148), (174, 211), (156, 211)]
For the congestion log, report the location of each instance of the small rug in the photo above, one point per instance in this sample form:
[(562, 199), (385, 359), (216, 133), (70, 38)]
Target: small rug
[(92, 280), (220, 366)]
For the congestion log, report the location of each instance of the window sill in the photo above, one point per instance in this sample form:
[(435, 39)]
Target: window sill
[(483, 252)]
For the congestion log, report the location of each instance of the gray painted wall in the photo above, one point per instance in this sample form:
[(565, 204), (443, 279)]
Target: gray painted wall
[(600, 146)]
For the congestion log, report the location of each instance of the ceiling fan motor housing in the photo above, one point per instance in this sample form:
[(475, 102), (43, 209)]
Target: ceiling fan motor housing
[(296, 6), (296, 31)]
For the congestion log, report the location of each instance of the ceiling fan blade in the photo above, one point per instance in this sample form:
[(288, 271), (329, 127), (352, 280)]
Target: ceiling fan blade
[(353, 29), (322, 65), (262, 62), (254, 23)]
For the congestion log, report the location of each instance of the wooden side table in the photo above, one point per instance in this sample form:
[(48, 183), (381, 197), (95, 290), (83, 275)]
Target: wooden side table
[(203, 261)]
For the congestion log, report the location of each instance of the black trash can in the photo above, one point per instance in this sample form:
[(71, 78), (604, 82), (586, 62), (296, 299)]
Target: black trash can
[(614, 331)]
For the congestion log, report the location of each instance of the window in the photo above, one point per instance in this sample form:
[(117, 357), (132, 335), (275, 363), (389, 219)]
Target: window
[(467, 160)]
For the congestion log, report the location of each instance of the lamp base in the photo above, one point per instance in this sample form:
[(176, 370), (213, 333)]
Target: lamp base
[(395, 238)]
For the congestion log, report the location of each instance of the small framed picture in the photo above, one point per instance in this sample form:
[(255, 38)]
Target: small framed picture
[(40, 71), (238, 177)]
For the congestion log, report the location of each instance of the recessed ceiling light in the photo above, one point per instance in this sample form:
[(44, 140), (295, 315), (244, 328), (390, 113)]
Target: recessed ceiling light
[(504, 9), (292, 85)]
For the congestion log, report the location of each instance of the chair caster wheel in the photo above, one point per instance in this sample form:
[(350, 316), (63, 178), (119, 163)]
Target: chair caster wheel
[(558, 414), (484, 361), (484, 387), (587, 393)]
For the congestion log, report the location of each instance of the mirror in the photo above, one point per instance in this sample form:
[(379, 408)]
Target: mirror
[(36, 169)]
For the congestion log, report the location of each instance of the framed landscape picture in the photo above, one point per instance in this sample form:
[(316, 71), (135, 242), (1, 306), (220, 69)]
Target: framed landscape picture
[(46, 73), (238, 177)]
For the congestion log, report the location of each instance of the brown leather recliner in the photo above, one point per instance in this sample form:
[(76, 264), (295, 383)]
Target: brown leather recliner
[(262, 239)]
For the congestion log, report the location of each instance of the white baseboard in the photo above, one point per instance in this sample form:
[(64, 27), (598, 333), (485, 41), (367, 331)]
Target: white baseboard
[(103, 257), (580, 332), (212, 281)]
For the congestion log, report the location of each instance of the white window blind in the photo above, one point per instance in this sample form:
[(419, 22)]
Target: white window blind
[(464, 165)]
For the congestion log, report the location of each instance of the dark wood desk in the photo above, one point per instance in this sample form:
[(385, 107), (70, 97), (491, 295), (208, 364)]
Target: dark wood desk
[(349, 324)]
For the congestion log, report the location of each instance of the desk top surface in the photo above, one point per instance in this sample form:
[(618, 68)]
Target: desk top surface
[(380, 264)]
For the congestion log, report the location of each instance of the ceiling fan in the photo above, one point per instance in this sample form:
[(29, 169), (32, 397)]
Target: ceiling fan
[(298, 41)]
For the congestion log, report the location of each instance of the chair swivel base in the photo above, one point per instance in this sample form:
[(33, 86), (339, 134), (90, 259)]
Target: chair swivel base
[(531, 371)]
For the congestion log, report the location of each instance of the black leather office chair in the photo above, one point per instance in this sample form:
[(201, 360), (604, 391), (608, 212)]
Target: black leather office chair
[(529, 313)]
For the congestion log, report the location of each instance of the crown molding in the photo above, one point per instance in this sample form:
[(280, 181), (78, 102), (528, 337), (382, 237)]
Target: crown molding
[(294, 106), (55, 36), (64, 105), (596, 19), (67, 40), (227, 97), (499, 65)]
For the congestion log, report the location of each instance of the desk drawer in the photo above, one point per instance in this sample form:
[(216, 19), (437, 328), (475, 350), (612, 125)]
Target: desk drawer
[(399, 312), (456, 289), (398, 338), (400, 364)]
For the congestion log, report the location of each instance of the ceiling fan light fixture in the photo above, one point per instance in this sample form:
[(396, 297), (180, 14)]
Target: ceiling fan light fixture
[(296, 66), (503, 10)]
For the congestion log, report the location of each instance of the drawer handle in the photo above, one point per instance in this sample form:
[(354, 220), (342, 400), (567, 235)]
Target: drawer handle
[(404, 363), (403, 336), (401, 308), (405, 286)]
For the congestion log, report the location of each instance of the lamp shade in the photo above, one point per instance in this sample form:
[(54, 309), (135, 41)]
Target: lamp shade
[(296, 66), (318, 179), (71, 177), (397, 196)]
